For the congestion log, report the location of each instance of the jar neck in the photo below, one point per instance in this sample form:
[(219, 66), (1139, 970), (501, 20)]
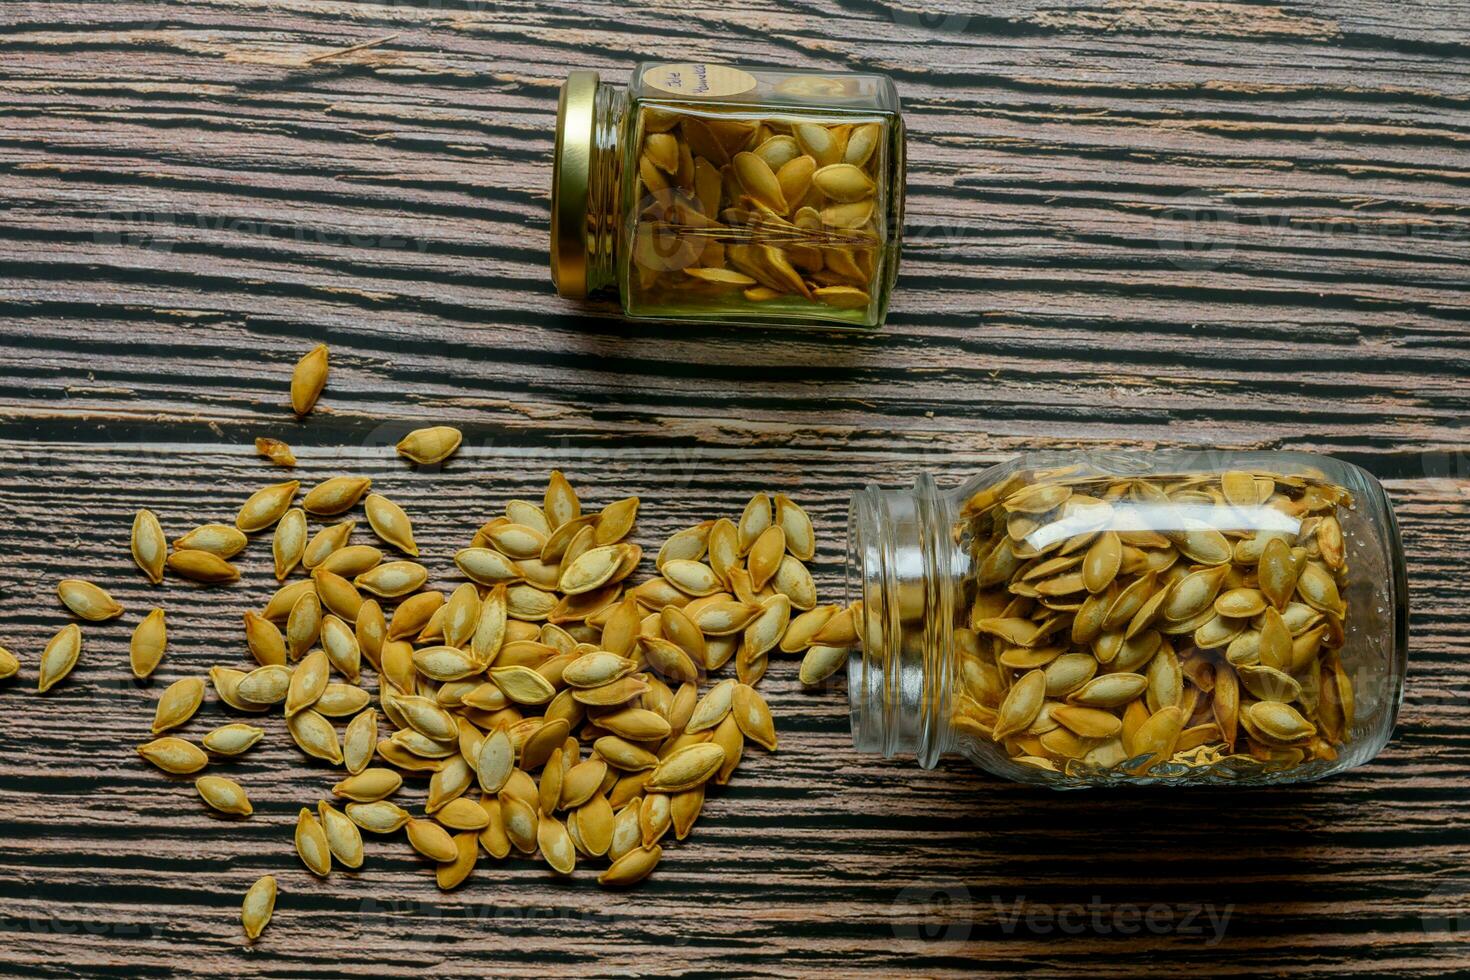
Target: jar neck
[(905, 566), (604, 198)]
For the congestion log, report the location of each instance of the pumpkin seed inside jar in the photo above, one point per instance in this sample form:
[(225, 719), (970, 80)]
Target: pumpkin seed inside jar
[(1133, 618), (709, 192)]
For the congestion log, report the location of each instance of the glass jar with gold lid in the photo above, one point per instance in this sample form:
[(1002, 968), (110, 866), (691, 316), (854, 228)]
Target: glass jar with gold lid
[(710, 192)]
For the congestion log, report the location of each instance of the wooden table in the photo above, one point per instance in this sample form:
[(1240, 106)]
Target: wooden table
[(1135, 223)]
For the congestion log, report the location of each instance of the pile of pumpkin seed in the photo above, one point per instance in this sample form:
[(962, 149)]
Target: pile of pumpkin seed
[(779, 207), (1156, 624), (553, 707)]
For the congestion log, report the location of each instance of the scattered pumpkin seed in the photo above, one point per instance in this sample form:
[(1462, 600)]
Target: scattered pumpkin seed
[(258, 906), (308, 379)]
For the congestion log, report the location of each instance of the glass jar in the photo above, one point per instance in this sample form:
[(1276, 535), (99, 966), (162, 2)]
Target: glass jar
[(1081, 619), (708, 192)]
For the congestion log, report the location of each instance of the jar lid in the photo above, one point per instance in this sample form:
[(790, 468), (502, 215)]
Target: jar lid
[(571, 175)]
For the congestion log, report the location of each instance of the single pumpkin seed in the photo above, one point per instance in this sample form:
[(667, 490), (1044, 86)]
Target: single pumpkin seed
[(145, 651), (430, 445), (821, 662), (178, 703), (337, 595), (326, 542), (201, 566), (232, 739), (174, 755), (343, 838), (264, 507), (844, 183), (275, 450), (148, 544), (335, 495), (1278, 722), (224, 795), (687, 768), (1109, 690), (352, 560), (258, 906), (369, 786), (289, 542), (631, 868), (308, 379), (217, 539), (393, 579), (59, 656), (487, 567), (378, 817), (342, 700), (88, 601), (265, 685), (315, 736)]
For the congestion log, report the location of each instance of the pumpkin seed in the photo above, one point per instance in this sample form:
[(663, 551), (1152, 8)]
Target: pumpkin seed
[(224, 795), (315, 736), (258, 906), (632, 867), (615, 521), (201, 566), (821, 662), (393, 579), (560, 503), (59, 657), (233, 739), (337, 595), (308, 379), (335, 495), (289, 542), (174, 755), (221, 540), (263, 508), (275, 450), (149, 546), (487, 567), (342, 836), (378, 817), (1088, 722), (326, 542), (351, 561), (1109, 690), (369, 786), (145, 651), (278, 609), (177, 704), (1269, 684), (687, 768), (265, 685), (844, 182), (794, 581), (430, 445), (1278, 722), (342, 700)]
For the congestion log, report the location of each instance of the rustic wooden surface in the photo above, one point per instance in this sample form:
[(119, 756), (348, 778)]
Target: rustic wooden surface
[(1131, 223)]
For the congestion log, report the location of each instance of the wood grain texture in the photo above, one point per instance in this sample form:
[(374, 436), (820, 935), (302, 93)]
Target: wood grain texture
[(1130, 223)]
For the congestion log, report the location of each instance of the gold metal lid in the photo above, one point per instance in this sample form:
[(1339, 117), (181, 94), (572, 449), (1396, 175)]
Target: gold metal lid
[(571, 175)]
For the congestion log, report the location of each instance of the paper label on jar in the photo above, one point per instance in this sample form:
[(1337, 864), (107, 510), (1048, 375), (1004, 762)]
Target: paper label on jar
[(698, 80)]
